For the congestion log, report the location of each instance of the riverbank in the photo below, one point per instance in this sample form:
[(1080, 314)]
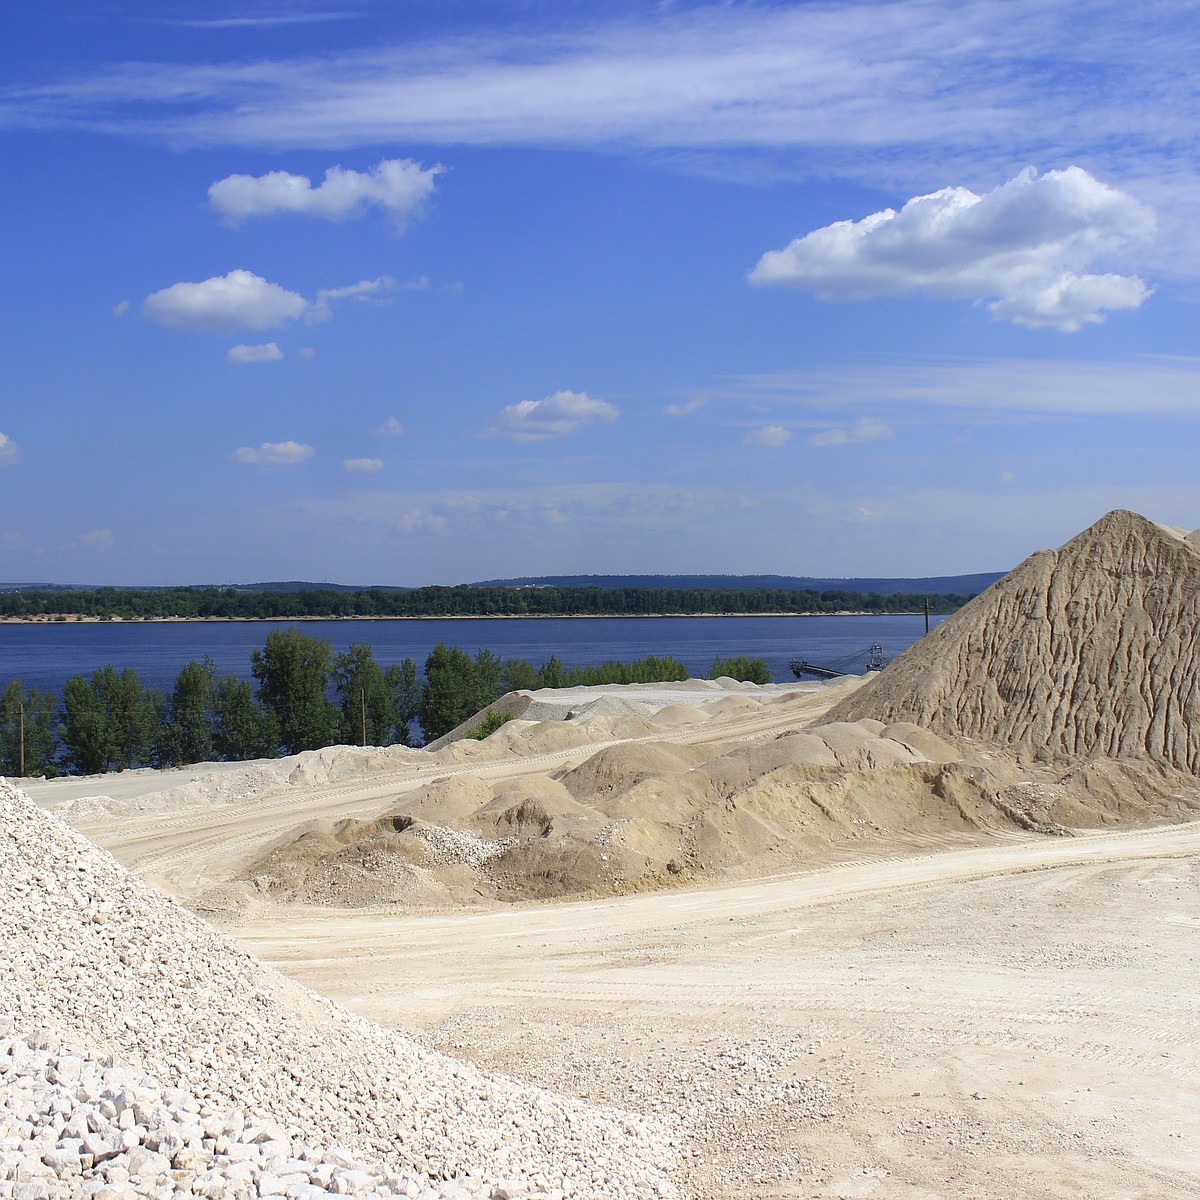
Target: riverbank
[(83, 619)]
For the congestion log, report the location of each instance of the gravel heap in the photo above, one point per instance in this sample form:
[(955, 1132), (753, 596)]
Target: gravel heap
[(142, 1055)]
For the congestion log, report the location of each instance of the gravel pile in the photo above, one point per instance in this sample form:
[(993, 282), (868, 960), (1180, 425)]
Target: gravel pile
[(222, 1053)]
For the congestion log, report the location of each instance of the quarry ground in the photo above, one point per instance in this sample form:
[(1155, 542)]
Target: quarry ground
[(991, 1016)]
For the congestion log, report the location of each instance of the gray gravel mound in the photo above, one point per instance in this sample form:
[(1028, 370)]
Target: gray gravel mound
[(101, 962)]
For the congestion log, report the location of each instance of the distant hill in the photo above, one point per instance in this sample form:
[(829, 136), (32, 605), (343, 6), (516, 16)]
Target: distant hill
[(937, 585)]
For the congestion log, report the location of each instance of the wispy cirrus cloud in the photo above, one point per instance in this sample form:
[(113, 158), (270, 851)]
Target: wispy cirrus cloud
[(400, 187), (265, 22), (843, 75), (1027, 243), (1149, 386)]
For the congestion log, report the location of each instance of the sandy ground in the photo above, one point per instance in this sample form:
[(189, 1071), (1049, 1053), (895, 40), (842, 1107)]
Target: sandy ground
[(1015, 1017)]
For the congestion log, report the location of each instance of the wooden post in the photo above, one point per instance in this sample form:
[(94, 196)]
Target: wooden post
[(362, 708), (926, 614), (21, 739)]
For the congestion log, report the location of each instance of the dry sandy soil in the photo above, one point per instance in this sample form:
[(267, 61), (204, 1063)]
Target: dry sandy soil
[(974, 1012)]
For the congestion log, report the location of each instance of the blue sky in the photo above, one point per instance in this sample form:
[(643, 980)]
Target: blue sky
[(427, 292)]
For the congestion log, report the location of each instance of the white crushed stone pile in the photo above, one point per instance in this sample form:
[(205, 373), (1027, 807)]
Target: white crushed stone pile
[(1089, 650), (98, 961), (78, 1125)]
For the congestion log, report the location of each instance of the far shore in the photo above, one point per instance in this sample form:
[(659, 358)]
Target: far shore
[(80, 619)]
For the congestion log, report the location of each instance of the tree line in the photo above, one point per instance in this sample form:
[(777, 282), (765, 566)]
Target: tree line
[(462, 600), (305, 696)]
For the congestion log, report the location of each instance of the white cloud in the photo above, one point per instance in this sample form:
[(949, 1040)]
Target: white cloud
[(121, 308), (553, 417), (243, 300), (239, 300), (272, 454), (865, 429), (96, 539), (306, 352), (362, 466), (12, 540), (8, 451), (399, 186), (688, 407), (390, 428), (266, 352), (768, 435), (1149, 386), (366, 290), (1027, 243)]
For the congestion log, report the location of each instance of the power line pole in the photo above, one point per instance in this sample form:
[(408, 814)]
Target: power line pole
[(21, 739), (362, 709)]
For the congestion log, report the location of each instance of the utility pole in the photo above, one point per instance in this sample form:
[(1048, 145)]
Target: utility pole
[(21, 739), (362, 710), (926, 614)]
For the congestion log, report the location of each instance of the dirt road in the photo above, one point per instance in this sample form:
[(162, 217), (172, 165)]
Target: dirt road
[(1010, 1020)]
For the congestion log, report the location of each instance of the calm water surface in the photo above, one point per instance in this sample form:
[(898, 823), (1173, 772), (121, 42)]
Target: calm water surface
[(46, 656)]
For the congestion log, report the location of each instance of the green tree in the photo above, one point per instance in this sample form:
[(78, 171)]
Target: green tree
[(552, 673), (188, 728), (449, 691), (486, 683), (367, 711), (27, 731), (402, 682), (749, 670), (520, 675), (110, 722), (242, 728), (293, 676)]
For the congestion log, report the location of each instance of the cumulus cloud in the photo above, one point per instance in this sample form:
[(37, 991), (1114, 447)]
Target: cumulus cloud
[(243, 300), (12, 540), (267, 352), (399, 186), (362, 466), (121, 308), (272, 454), (239, 300), (865, 429), (768, 435), (1025, 247), (96, 539), (8, 451), (553, 417), (390, 428)]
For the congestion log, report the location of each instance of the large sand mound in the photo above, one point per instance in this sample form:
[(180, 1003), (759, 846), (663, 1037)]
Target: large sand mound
[(1087, 652)]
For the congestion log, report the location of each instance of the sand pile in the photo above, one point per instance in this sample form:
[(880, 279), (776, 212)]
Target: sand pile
[(644, 814), (1088, 652), (233, 1081)]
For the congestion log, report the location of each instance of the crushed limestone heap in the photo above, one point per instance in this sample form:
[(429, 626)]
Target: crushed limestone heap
[(143, 1056), (1089, 651)]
